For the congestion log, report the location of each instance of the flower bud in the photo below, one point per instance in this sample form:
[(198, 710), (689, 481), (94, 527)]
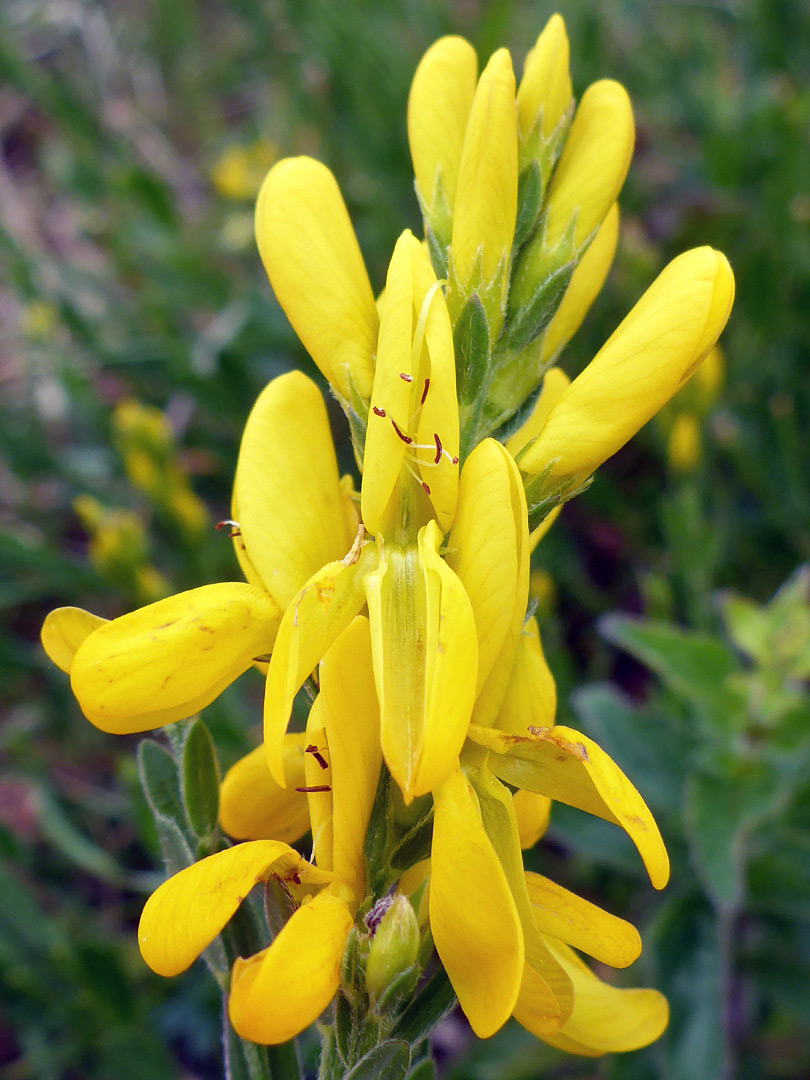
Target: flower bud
[(394, 947), (544, 94)]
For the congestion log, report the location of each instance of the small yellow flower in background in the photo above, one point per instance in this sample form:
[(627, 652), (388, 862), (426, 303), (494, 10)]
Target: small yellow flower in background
[(119, 550), (147, 445), (239, 170), (684, 443)]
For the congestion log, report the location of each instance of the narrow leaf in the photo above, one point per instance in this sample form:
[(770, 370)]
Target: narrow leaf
[(200, 780)]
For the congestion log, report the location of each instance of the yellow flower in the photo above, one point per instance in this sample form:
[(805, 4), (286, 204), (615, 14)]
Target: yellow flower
[(641, 366), (299, 972), (237, 173), (438, 108), (312, 258), (684, 443)]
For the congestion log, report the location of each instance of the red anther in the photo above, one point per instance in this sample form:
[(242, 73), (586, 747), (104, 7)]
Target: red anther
[(312, 749), (315, 787), (424, 485), (438, 457), (454, 460), (234, 527), (405, 438), (405, 376), (377, 412), (424, 392)]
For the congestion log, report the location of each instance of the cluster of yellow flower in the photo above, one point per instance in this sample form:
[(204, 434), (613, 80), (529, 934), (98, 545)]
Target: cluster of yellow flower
[(404, 606)]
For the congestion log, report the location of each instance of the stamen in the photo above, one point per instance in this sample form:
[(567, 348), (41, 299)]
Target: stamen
[(312, 749), (438, 457), (314, 788), (425, 391), (454, 460), (424, 485), (377, 412), (234, 525), (405, 438), (405, 376)]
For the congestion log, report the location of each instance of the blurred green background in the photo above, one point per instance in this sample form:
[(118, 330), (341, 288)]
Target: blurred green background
[(133, 138)]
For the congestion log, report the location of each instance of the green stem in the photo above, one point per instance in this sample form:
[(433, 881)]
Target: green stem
[(284, 1063)]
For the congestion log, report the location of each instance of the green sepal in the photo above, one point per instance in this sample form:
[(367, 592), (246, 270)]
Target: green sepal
[(377, 833), (530, 195), (428, 1008), (530, 320), (278, 905), (472, 349), (388, 1061), (423, 1070), (438, 254), (398, 990), (199, 780), (356, 410), (414, 845), (351, 965), (345, 1022)]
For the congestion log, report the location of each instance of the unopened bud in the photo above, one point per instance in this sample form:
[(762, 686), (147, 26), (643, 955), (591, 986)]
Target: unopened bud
[(394, 947)]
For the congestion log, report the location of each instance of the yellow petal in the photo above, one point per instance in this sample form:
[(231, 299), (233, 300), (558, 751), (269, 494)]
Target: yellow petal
[(488, 550), (555, 383), (486, 197), (641, 366), (532, 813), (287, 495), (605, 1019), (570, 768), (318, 777), (413, 423), (566, 916), (167, 661), (545, 90), (592, 167), (438, 106), (313, 620), (63, 632), (351, 718), (184, 915), (425, 653), (531, 695), (473, 917), (251, 804), (282, 990), (583, 288), (311, 256)]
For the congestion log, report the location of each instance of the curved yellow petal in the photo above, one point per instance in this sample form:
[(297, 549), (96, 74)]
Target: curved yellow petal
[(313, 620), (424, 650), (486, 197), (641, 366), (531, 696), (63, 631), (251, 804), (488, 549), (166, 661), (351, 718), (532, 813), (555, 383), (473, 916), (438, 106), (544, 93), (412, 435), (318, 777), (287, 497), (589, 175), (570, 768), (282, 990), (583, 288), (566, 916), (184, 915), (312, 258), (605, 1019)]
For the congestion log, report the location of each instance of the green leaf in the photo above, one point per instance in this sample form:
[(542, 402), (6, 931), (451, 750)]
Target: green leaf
[(430, 1006), (243, 1060), (200, 780), (388, 1061), (530, 193), (160, 783), (696, 666), (471, 345)]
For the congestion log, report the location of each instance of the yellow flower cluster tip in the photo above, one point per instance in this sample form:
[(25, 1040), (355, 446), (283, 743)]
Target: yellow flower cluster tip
[(404, 605)]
